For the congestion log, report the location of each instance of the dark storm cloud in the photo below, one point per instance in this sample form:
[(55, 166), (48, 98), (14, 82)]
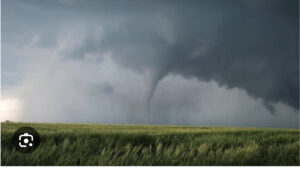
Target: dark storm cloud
[(249, 45), (196, 62)]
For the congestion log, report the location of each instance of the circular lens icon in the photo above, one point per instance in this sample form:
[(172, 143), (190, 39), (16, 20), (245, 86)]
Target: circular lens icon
[(26, 139)]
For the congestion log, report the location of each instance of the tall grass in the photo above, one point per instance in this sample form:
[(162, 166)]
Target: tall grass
[(89, 145)]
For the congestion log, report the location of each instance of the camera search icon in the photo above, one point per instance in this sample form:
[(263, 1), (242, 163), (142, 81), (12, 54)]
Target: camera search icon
[(26, 139)]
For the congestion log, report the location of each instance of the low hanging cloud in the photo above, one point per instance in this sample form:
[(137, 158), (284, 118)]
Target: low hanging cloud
[(115, 95), (112, 60), (252, 46)]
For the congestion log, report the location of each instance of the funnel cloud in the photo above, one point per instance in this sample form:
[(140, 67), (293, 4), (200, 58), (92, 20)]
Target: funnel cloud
[(116, 57)]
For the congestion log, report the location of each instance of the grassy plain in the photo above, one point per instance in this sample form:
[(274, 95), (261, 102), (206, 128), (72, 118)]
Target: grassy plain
[(94, 144)]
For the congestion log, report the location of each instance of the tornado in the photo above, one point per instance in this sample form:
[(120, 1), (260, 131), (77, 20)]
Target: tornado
[(151, 79)]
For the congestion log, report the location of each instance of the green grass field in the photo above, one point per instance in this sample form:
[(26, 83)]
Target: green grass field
[(76, 144)]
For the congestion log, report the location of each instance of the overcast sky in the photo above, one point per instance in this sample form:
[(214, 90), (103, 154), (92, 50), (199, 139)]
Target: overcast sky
[(202, 62)]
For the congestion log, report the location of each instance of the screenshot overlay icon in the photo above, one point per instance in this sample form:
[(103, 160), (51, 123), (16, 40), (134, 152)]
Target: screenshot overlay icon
[(26, 139)]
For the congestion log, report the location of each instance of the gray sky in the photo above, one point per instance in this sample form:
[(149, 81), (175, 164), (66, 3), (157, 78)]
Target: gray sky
[(202, 62)]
